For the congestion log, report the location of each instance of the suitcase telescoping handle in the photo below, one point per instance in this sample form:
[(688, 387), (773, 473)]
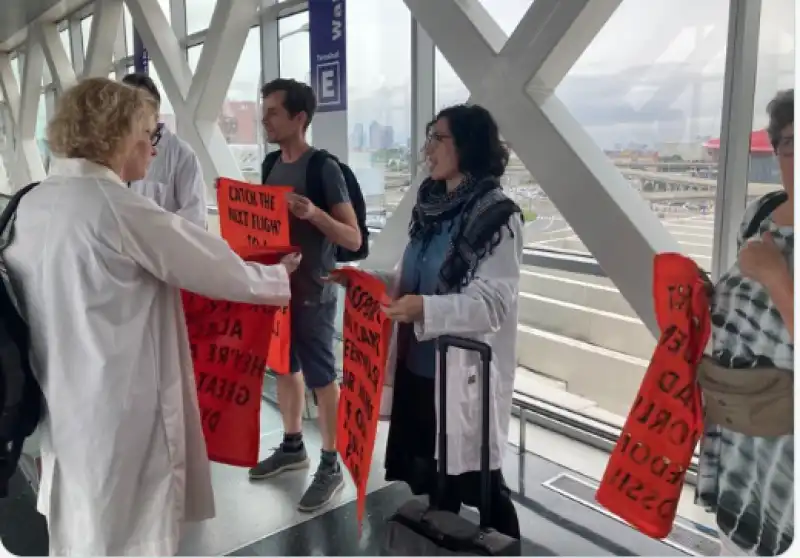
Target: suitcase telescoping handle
[(444, 342)]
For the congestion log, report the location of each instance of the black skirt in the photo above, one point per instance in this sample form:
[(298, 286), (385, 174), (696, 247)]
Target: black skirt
[(411, 443)]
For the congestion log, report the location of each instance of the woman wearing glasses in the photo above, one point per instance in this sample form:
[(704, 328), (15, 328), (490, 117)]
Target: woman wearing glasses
[(97, 270), (746, 475), (459, 275)]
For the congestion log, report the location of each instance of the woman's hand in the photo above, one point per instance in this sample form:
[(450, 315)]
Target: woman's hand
[(406, 309), (762, 260), (291, 261)]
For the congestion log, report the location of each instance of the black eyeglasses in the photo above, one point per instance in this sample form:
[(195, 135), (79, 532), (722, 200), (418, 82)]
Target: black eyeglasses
[(155, 137)]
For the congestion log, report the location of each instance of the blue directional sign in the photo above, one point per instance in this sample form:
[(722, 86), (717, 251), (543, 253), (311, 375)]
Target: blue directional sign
[(328, 51)]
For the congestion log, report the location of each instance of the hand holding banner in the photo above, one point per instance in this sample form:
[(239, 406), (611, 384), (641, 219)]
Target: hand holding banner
[(253, 216), (644, 476), (229, 343), (366, 343)]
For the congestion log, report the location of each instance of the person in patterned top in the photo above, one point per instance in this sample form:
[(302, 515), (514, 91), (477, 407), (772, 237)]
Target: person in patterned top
[(747, 481)]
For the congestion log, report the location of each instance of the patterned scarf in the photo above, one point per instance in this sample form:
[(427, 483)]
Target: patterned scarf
[(480, 211)]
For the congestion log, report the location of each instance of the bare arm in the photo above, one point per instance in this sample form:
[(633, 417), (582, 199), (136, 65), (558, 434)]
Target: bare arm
[(340, 227)]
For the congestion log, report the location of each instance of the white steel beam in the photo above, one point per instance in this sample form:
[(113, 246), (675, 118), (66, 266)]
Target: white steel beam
[(744, 25), (102, 38), (608, 215), (167, 55), (56, 57), (227, 34)]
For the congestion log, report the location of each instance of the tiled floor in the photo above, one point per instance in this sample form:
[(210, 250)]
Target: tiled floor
[(260, 519)]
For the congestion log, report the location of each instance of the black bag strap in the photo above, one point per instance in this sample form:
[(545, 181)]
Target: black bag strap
[(10, 210), (443, 343), (314, 186), (266, 166), (769, 203)]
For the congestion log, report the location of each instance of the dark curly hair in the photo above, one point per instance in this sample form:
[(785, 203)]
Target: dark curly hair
[(476, 136), (781, 114)]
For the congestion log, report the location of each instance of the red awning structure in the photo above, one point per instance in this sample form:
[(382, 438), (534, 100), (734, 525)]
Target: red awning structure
[(759, 142)]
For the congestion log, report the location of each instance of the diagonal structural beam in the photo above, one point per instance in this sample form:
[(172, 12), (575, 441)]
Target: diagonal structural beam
[(56, 56), (608, 215), (100, 52)]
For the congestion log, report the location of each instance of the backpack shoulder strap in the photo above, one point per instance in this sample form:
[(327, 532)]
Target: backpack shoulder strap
[(269, 161), (11, 208), (314, 177), (767, 205)]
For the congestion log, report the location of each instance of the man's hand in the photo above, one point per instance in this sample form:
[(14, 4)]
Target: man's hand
[(406, 309), (291, 261), (301, 207), (762, 260)]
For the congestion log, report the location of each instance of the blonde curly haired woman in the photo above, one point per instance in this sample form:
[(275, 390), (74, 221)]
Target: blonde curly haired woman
[(97, 270)]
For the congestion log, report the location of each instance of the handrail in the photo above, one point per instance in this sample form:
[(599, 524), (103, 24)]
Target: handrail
[(596, 433)]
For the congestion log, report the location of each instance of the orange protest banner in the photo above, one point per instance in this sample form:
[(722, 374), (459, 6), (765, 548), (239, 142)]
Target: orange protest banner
[(230, 343), (366, 343), (280, 342), (253, 215), (643, 479)]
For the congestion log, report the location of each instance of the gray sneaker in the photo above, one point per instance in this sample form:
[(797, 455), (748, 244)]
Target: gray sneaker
[(280, 462), (327, 483)]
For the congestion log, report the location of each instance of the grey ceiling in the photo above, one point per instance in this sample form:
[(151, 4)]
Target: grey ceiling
[(16, 14)]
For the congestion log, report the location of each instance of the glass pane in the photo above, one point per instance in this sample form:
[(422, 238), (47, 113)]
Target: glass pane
[(294, 52), (5, 149), (64, 36), (198, 16), (379, 101), (128, 23), (775, 72), (86, 31), (656, 73), (167, 115), (240, 116), (41, 131)]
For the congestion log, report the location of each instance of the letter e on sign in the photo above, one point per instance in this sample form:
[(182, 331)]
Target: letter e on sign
[(328, 90)]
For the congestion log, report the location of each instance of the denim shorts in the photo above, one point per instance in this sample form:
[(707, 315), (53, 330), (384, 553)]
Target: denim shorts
[(313, 329)]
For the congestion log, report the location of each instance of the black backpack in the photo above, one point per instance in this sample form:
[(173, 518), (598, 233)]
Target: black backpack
[(769, 203), (21, 397), (316, 195)]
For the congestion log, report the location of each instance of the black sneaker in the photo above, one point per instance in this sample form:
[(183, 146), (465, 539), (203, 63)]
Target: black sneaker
[(328, 482), (279, 462)]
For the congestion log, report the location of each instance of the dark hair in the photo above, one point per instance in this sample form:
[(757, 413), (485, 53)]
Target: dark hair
[(781, 114), (297, 97), (143, 81), (476, 136)]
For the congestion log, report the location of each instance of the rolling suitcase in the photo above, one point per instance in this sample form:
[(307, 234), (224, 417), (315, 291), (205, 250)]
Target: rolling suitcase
[(417, 529)]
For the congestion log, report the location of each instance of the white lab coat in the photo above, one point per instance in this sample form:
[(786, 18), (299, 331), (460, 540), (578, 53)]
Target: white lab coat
[(175, 180), (97, 268), (485, 310)]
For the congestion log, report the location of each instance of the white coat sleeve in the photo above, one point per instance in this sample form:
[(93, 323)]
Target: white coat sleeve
[(190, 189), (184, 255), (482, 306)]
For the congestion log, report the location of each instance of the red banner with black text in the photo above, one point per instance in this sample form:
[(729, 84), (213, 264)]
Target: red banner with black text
[(233, 343), (643, 479), (366, 335)]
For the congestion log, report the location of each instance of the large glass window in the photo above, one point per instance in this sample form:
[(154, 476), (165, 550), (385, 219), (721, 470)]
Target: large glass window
[(64, 36), (775, 72), (198, 15), (41, 130), (86, 31), (379, 101), (240, 114), (295, 62)]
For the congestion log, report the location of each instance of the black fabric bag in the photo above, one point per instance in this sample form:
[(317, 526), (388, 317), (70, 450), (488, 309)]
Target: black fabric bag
[(417, 529), (21, 399)]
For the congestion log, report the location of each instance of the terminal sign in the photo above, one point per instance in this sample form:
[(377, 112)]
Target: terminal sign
[(328, 51)]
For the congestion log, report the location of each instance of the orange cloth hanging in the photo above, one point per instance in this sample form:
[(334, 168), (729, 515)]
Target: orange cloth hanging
[(643, 479)]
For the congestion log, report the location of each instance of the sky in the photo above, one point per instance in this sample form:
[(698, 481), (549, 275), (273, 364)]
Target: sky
[(654, 71), (653, 74)]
